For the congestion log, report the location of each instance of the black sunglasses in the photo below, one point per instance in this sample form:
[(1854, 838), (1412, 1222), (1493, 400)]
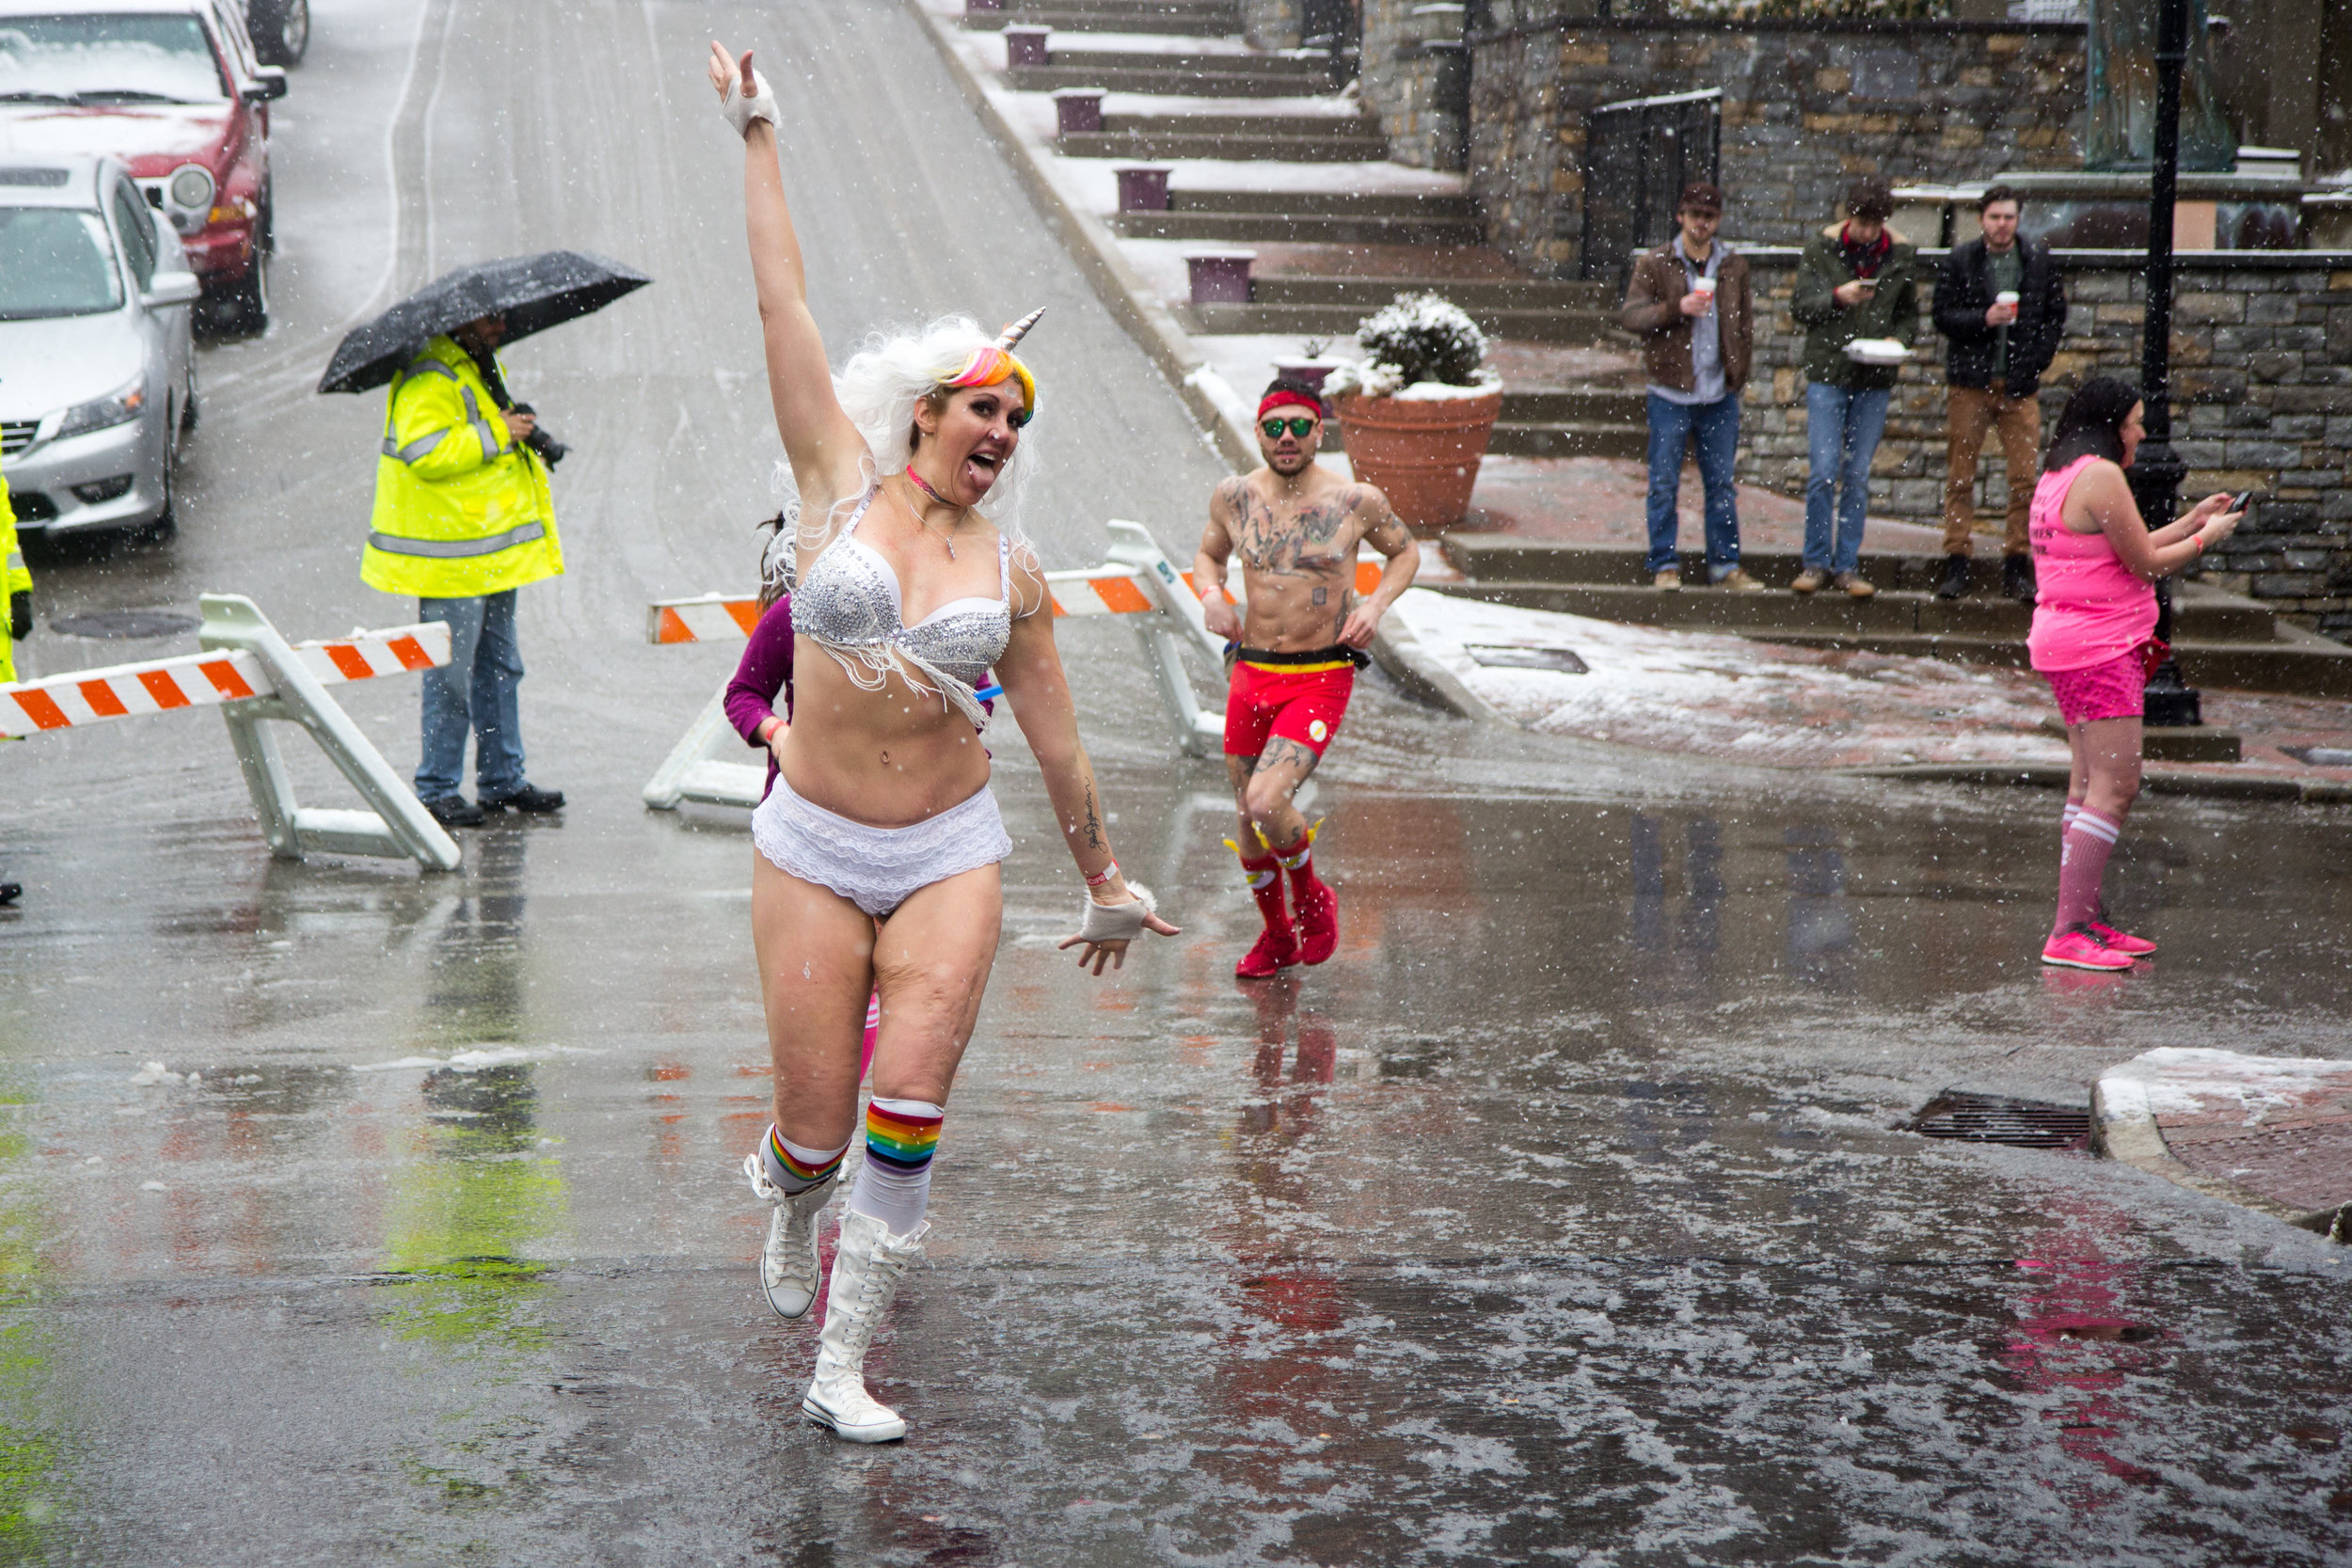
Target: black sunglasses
[(1301, 427)]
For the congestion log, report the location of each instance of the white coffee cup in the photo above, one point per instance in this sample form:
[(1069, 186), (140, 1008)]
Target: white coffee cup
[(1704, 289), (2007, 296)]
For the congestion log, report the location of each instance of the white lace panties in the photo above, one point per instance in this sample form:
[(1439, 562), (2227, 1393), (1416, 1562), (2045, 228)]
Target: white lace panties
[(876, 868)]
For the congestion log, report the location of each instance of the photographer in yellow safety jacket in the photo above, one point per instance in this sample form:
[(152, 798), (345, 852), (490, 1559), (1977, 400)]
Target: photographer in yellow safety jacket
[(16, 587), (463, 518)]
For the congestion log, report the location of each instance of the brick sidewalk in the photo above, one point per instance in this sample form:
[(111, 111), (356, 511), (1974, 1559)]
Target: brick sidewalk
[(2279, 1129)]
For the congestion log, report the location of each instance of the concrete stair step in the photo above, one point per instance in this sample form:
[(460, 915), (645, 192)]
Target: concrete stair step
[(1167, 144), (1236, 127), (1173, 81), (1567, 439), (1328, 320), (1369, 293), (1267, 228), (1219, 18), (1314, 67), (2220, 619), (1353, 204), (1596, 405)]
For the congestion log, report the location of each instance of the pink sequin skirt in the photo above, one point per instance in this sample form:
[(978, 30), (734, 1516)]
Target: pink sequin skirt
[(2110, 690)]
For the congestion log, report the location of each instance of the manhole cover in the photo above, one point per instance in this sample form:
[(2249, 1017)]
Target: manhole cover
[(1981, 1119), (125, 624), (1562, 660)]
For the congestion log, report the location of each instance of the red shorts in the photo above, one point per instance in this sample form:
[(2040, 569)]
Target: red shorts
[(1298, 703), (2113, 690)]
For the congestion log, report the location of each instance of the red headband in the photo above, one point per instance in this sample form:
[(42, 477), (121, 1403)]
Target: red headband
[(1281, 395)]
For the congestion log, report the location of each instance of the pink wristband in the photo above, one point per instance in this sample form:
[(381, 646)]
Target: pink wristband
[(1104, 876)]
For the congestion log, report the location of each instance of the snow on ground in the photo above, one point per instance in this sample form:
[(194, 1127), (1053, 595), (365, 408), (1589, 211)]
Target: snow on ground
[(1715, 695), (1095, 179)]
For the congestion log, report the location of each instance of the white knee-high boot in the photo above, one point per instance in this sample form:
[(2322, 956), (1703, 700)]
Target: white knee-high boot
[(867, 1263), (787, 1264)]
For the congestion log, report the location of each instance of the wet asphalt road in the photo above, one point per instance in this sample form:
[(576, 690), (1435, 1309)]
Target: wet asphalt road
[(1559, 1218)]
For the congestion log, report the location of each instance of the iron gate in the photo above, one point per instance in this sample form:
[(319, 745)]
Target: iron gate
[(1638, 155)]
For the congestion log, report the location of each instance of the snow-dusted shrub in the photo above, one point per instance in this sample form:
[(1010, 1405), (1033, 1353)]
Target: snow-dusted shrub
[(1419, 338)]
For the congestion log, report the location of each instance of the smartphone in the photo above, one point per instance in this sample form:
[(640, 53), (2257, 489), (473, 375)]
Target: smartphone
[(2240, 501)]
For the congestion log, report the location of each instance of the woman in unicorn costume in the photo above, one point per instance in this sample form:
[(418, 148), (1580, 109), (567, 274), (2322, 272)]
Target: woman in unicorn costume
[(878, 847)]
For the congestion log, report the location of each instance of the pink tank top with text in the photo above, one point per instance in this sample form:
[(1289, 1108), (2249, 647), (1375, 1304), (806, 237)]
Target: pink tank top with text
[(2088, 607)]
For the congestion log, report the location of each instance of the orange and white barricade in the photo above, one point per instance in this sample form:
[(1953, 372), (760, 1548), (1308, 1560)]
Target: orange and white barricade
[(1138, 581), (251, 674)]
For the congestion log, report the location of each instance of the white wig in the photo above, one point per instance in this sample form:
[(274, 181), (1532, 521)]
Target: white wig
[(878, 388)]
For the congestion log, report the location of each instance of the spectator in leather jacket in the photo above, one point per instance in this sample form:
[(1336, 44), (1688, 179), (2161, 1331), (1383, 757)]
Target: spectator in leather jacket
[(2001, 304)]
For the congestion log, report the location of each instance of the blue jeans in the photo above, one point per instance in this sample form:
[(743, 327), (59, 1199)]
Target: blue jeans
[(1841, 433), (1672, 425), (474, 691)]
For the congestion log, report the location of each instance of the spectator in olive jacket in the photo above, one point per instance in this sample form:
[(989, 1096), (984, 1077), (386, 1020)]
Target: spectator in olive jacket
[(1858, 279), (1688, 303)]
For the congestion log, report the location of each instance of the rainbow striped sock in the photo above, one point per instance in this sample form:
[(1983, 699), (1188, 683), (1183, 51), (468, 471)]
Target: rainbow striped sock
[(895, 1184), (795, 1169)]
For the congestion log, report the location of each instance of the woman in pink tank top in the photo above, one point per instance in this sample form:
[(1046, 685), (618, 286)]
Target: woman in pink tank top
[(2093, 636)]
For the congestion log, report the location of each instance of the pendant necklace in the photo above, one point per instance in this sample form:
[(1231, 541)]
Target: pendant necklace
[(948, 539)]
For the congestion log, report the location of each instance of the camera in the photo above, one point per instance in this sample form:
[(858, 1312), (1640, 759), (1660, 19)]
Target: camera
[(550, 450)]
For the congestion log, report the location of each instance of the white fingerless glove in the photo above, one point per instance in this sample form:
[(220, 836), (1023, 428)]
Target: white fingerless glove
[(1117, 922), (740, 111)]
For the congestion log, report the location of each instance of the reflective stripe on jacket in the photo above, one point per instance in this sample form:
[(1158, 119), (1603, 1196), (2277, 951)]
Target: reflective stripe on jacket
[(14, 580), (461, 509)]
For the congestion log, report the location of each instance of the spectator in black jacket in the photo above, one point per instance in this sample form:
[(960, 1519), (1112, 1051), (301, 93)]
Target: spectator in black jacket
[(2002, 303)]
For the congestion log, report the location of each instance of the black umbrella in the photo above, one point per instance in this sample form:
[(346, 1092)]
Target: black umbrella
[(532, 292)]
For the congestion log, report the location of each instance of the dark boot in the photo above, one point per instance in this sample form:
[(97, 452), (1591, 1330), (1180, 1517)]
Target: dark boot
[(11, 891), (1954, 582), (2017, 578), (526, 797), (454, 811)]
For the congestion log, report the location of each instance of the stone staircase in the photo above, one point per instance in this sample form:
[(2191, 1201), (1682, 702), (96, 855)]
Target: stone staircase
[(2222, 639), (1529, 311)]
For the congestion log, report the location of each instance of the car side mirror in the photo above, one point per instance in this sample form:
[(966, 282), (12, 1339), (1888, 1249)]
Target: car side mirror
[(269, 83), (171, 288)]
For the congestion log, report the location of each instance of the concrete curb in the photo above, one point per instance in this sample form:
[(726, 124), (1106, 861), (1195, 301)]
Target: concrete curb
[(1221, 412), (2156, 781), (2124, 1127)]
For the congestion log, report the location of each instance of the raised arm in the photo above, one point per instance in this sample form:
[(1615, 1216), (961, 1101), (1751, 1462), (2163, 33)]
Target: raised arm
[(1032, 674), (1216, 550), (823, 447), (2105, 497), (1386, 533)]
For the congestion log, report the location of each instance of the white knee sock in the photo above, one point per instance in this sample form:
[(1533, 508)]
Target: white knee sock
[(894, 1184)]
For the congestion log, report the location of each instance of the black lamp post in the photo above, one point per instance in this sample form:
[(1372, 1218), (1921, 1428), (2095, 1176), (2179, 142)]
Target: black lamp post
[(2155, 475)]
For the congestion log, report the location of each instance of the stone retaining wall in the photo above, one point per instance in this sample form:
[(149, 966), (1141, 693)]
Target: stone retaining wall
[(1808, 105), (1417, 90), (2261, 378)]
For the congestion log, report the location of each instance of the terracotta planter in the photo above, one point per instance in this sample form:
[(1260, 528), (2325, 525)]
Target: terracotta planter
[(1423, 455)]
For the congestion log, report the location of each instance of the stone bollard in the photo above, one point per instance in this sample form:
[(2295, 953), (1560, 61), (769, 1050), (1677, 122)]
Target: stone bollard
[(1142, 187), (1025, 46), (1078, 111), (1219, 277)]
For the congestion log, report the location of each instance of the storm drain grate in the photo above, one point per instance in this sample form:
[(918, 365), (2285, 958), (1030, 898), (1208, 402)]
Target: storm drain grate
[(1560, 660), (124, 623), (1983, 1118)]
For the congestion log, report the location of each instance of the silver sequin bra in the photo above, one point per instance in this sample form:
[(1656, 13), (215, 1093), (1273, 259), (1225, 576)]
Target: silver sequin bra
[(848, 604)]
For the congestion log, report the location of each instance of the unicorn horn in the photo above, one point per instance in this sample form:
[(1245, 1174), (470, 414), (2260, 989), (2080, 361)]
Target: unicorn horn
[(1018, 329)]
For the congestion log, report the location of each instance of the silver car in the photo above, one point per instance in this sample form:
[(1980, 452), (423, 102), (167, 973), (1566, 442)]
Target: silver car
[(97, 372)]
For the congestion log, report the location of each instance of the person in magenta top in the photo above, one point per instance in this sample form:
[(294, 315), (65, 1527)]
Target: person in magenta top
[(2093, 638)]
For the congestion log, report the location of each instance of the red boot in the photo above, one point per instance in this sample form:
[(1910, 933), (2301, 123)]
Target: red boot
[(1318, 906), (1276, 947)]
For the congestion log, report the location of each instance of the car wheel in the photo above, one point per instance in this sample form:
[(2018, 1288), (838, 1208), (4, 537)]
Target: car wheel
[(187, 402), (249, 299), (265, 230), (166, 522), (281, 30)]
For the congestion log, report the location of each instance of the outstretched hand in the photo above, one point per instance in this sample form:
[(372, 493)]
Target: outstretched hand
[(725, 74), (1095, 942)]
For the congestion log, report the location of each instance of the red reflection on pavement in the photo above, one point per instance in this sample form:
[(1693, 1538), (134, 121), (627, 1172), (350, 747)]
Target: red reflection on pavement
[(2076, 1337)]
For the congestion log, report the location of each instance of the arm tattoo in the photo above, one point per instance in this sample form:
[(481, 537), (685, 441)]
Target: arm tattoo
[(1093, 822)]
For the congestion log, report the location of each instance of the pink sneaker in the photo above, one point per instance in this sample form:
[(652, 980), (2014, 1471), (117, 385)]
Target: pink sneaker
[(2122, 941), (2076, 947)]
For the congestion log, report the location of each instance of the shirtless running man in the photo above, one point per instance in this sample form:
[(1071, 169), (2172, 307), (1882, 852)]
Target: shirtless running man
[(1297, 526)]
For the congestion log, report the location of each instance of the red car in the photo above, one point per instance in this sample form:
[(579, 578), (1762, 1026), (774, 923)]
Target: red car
[(172, 88)]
